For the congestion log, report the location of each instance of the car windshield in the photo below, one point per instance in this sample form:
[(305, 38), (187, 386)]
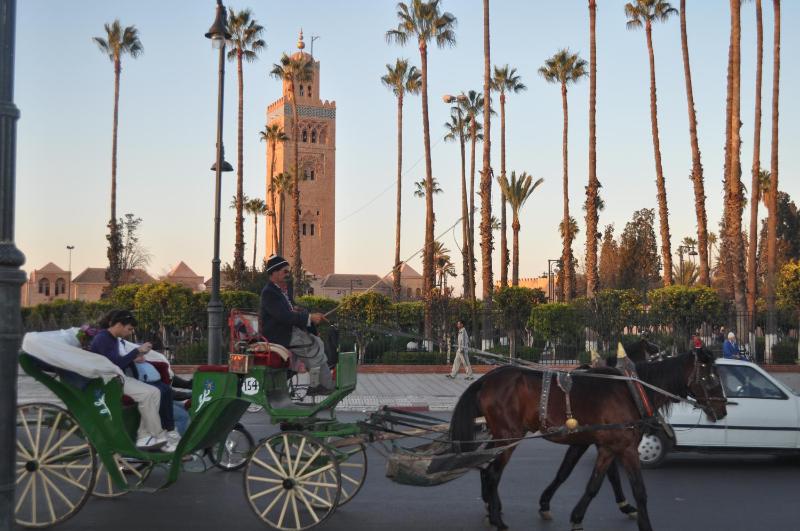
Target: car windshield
[(746, 382)]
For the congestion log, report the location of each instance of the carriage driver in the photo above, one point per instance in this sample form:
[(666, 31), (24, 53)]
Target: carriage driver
[(287, 325)]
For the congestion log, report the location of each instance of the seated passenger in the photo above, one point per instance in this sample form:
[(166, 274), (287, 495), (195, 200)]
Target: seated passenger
[(168, 410), (117, 325), (288, 326)]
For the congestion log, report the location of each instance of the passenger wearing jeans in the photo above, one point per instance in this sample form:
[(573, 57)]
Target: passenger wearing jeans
[(116, 325)]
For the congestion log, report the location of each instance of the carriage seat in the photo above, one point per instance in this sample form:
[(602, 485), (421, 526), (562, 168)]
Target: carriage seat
[(270, 354)]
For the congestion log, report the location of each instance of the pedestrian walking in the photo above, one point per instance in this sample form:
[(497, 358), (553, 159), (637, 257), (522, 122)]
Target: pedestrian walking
[(462, 353)]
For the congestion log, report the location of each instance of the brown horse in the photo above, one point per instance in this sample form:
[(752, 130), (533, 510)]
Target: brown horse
[(508, 397), (639, 351)]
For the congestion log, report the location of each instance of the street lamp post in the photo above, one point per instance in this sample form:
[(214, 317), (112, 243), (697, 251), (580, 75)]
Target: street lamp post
[(218, 33), (688, 249), (11, 276), (69, 272), (550, 281)]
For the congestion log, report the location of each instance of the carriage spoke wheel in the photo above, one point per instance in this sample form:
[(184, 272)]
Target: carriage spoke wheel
[(292, 481), (134, 471), (352, 469), (55, 466)]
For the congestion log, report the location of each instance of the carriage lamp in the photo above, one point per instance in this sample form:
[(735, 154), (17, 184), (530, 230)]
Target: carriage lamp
[(571, 423), (239, 363)]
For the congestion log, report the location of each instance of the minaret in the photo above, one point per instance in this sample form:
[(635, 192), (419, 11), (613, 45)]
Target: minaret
[(317, 149)]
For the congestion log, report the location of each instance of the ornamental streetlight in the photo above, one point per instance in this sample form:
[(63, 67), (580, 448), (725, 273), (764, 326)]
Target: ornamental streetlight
[(551, 288), (688, 249), (218, 33), (11, 276), (69, 271)]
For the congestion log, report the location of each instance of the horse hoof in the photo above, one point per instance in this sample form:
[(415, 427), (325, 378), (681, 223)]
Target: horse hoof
[(630, 510), (577, 527), (633, 516), (546, 515)]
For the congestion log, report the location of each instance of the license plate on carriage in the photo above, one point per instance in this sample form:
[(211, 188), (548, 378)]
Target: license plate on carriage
[(239, 363)]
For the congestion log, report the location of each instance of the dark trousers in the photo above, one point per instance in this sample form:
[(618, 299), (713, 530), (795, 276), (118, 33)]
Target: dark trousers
[(165, 407)]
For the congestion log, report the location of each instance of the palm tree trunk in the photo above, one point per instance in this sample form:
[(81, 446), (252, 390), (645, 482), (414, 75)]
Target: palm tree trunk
[(663, 211), (503, 239), (396, 286), (697, 167), (566, 252), (486, 187), (734, 179), (238, 252), (515, 250), (282, 219), (466, 253), (273, 200), (297, 266), (755, 190), (725, 248), (114, 250), (427, 261), (593, 188), (473, 132), (772, 220)]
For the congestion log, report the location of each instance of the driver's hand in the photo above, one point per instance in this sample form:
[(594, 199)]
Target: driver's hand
[(317, 318)]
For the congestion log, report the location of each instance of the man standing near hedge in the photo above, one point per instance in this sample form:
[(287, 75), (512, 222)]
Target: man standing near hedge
[(462, 356), (287, 325)]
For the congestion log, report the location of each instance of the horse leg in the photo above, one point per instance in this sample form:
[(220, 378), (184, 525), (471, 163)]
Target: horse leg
[(630, 460), (604, 460), (492, 476), (616, 484), (571, 458)]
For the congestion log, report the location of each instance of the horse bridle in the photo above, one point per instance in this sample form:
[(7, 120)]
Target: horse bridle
[(705, 384)]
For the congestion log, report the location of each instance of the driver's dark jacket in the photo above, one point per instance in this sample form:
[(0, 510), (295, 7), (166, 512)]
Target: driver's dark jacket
[(278, 316)]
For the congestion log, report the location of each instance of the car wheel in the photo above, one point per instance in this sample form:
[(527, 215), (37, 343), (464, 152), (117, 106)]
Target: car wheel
[(653, 449)]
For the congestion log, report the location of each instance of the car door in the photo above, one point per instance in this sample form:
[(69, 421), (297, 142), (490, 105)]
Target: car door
[(692, 427), (760, 413)]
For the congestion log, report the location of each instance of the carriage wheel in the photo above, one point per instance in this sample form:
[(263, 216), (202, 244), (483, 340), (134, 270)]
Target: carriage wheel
[(352, 469), (55, 466), (232, 454), (134, 471), (292, 481)]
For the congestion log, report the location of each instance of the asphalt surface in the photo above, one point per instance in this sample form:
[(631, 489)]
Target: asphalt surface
[(691, 491)]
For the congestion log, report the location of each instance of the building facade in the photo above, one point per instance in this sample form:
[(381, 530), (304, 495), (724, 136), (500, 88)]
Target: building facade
[(316, 135), (47, 284)]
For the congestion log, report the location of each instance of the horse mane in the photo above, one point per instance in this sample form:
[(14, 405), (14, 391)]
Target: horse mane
[(668, 374)]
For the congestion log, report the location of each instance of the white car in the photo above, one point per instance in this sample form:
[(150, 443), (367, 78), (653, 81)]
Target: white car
[(763, 417)]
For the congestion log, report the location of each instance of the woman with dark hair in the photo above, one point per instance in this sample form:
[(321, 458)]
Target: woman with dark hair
[(119, 324)]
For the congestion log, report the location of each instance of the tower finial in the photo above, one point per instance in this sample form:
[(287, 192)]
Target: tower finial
[(300, 43)]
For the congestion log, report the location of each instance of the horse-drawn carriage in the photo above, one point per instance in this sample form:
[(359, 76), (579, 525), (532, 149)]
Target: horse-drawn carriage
[(296, 478)]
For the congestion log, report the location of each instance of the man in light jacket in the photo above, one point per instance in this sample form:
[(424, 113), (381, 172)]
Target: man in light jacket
[(462, 350)]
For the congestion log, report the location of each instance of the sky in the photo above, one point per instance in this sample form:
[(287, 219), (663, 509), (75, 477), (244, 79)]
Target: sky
[(167, 122)]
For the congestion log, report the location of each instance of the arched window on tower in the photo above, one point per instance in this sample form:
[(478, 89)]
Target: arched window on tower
[(44, 287), (305, 135), (304, 229), (309, 91), (301, 90), (61, 286), (312, 229), (313, 136)]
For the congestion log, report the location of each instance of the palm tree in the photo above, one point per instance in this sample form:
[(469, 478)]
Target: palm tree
[(255, 207), (442, 264), (516, 192), (593, 187), (563, 68), (422, 21), (644, 13), (457, 128), (421, 188), (712, 242), (486, 188), (295, 69), (752, 263), (245, 43), (772, 219), (281, 184), (400, 79), (505, 80), (273, 135), (471, 104), (734, 190), (118, 41), (697, 166)]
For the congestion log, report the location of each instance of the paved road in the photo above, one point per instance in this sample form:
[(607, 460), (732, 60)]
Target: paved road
[(691, 492)]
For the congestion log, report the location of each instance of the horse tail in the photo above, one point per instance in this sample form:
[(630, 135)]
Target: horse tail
[(462, 423)]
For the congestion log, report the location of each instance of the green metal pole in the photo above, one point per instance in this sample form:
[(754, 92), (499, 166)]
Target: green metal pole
[(11, 276)]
